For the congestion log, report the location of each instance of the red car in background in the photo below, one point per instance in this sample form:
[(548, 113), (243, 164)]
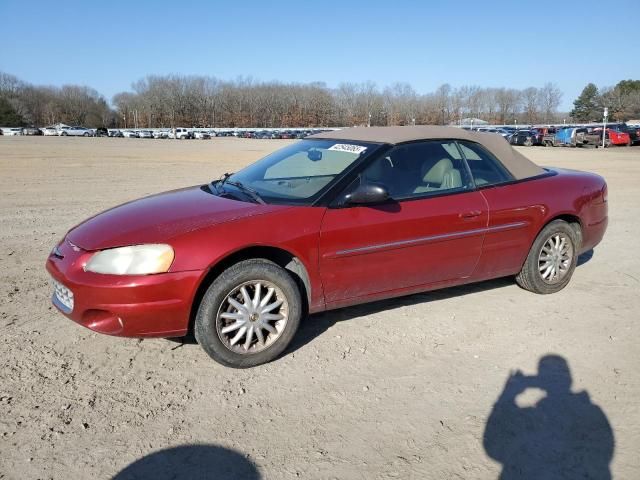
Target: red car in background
[(337, 219), (616, 137), (633, 132)]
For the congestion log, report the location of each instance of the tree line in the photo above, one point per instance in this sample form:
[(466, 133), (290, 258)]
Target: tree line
[(24, 104), (622, 101), (204, 101)]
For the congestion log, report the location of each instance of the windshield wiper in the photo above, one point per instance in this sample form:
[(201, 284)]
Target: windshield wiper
[(248, 190), (218, 184)]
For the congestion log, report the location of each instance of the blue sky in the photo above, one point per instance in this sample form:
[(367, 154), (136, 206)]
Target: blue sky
[(108, 45)]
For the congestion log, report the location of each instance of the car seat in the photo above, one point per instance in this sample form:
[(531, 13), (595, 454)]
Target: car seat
[(441, 176)]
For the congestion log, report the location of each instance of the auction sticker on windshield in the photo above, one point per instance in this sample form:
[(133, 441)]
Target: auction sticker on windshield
[(346, 147)]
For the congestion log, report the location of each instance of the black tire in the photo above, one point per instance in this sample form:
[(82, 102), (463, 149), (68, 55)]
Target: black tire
[(528, 142), (63, 134), (205, 329), (530, 277), (85, 134)]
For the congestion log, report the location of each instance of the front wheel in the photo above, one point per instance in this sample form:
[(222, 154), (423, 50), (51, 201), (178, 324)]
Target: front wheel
[(551, 260), (249, 314)]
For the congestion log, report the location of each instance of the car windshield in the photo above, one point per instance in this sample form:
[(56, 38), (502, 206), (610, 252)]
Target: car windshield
[(300, 173)]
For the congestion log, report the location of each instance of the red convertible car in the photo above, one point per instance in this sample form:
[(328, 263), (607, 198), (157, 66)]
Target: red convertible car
[(339, 218)]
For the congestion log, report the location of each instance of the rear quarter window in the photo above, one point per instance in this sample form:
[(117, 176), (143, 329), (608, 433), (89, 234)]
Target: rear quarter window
[(485, 168)]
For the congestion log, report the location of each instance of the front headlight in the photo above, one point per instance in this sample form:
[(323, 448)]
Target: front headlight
[(134, 260)]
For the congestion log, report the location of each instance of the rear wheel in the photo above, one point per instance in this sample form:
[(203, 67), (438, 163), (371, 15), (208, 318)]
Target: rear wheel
[(551, 260), (249, 314)]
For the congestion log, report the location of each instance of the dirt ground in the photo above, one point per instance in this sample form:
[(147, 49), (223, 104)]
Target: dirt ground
[(395, 389)]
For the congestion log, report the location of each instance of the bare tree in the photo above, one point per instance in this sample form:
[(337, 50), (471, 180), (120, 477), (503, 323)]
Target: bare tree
[(550, 97), (530, 102)]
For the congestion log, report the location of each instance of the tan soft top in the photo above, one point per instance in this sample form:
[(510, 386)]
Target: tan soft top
[(519, 165)]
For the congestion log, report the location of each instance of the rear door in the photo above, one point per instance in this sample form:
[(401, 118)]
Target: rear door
[(431, 232)]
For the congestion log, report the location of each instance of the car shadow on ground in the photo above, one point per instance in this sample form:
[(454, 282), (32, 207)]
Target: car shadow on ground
[(562, 435), (585, 257), (191, 462), (319, 323)]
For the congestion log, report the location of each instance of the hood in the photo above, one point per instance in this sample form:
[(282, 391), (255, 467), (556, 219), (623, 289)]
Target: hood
[(158, 218)]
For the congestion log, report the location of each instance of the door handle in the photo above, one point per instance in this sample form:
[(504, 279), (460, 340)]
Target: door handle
[(471, 214)]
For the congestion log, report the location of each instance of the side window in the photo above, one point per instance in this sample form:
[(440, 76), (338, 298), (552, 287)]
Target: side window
[(419, 169), (485, 168)]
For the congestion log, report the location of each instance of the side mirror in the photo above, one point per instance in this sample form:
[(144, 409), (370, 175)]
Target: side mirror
[(367, 193)]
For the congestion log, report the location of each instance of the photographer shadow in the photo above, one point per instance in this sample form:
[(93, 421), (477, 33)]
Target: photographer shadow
[(562, 436)]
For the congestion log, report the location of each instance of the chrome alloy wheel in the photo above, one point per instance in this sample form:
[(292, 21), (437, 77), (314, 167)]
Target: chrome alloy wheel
[(554, 261), (252, 316)]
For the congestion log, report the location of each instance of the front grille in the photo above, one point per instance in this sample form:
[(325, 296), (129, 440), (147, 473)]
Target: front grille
[(62, 297)]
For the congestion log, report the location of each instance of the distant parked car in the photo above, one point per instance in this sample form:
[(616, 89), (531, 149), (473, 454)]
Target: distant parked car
[(50, 131), (634, 133), (102, 132), (145, 134), (179, 134), (200, 135), (565, 136), (16, 131), (115, 133), (129, 134), (538, 135), (522, 137), (548, 136), (76, 131), (588, 137), (31, 131), (616, 138), (160, 134)]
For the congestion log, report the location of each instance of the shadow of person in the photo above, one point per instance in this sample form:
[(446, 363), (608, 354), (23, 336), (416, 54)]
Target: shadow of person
[(562, 436), (209, 462)]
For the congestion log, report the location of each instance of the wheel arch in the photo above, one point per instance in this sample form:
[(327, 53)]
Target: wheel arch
[(277, 255), (572, 219)]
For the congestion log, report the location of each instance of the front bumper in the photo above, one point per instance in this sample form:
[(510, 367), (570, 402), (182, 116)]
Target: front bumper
[(122, 305)]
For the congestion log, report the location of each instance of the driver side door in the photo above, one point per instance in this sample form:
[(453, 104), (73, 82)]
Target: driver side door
[(430, 232)]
